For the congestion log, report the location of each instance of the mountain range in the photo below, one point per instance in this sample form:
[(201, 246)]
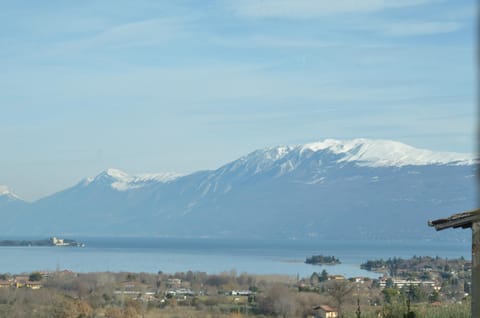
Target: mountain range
[(354, 189)]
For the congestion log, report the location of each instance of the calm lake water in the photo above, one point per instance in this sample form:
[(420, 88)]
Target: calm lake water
[(217, 255)]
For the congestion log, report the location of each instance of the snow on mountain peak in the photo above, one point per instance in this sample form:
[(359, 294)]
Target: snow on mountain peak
[(361, 152), (335, 146), (5, 191), (274, 154), (122, 181), (377, 153), (116, 174), (160, 177)]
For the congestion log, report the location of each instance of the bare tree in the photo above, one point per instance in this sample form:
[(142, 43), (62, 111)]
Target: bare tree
[(340, 291), (278, 300), (305, 303)]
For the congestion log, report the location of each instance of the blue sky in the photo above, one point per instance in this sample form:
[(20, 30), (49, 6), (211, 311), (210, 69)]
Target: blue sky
[(155, 86)]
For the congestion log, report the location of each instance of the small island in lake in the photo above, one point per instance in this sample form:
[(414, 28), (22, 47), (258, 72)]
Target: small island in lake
[(322, 260), (53, 241)]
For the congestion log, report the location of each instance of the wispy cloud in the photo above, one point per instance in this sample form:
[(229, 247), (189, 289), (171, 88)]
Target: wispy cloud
[(313, 8), (273, 42), (134, 34), (139, 33), (421, 28)]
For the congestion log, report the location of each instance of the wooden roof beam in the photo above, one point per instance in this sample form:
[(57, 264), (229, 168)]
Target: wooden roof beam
[(463, 220)]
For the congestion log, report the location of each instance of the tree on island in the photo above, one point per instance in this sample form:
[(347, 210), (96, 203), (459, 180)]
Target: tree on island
[(320, 259)]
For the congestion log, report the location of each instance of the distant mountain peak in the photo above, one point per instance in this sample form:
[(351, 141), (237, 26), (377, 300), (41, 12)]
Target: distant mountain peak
[(122, 181), (378, 152), (331, 153), (6, 192)]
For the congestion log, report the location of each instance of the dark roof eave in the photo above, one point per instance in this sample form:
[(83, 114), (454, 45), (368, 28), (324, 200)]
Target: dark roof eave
[(463, 220)]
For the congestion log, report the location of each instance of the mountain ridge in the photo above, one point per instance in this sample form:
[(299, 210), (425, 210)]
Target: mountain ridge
[(358, 189), (361, 151), (357, 150)]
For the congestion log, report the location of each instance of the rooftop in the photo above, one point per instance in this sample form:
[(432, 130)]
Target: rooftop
[(463, 220)]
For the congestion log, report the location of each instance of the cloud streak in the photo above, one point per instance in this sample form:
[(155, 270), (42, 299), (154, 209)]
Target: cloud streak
[(267, 41), (128, 35), (421, 28), (313, 8)]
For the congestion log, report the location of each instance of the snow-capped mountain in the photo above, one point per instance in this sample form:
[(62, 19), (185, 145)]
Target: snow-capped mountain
[(361, 152), (7, 194), (122, 181), (311, 163), (381, 153), (326, 190), (11, 208)]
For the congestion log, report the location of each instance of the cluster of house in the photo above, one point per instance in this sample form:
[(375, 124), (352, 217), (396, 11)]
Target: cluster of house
[(324, 311), (58, 241), (21, 281), (240, 293), (174, 283), (315, 280), (182, 292), (55, 241), (176, 289), (407, 282), (136, 291)]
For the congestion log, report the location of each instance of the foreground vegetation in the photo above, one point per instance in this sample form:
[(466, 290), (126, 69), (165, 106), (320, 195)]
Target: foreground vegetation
[(197, 294)]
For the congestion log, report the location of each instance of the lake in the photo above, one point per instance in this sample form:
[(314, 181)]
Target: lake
[(172, 255)]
